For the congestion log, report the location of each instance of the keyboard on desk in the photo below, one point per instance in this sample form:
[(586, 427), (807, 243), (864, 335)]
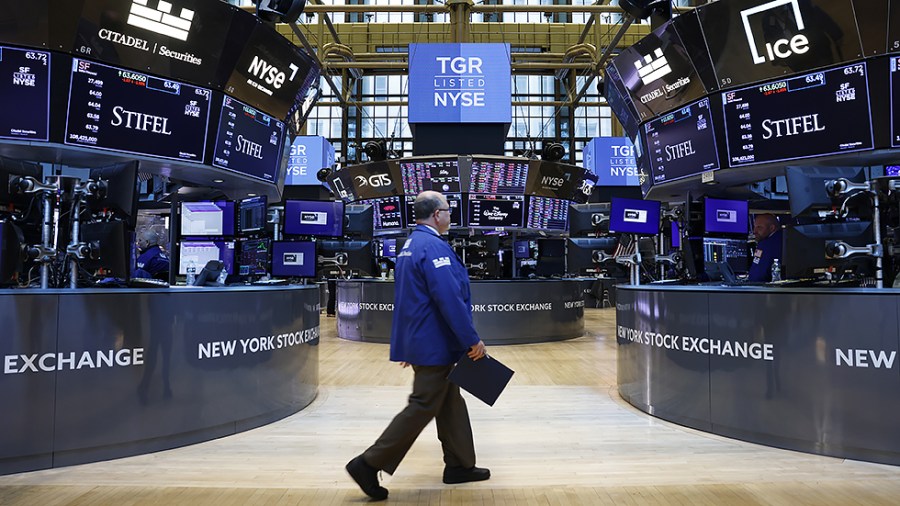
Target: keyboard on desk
[(147, 283), (792, 283), (270, 282)]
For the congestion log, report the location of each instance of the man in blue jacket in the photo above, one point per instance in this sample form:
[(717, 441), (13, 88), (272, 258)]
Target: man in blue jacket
[(153, 261), (432, 329), (767, 231)]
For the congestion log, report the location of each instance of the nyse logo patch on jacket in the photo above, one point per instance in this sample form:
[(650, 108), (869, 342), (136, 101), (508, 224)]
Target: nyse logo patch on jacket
[(441, 262)]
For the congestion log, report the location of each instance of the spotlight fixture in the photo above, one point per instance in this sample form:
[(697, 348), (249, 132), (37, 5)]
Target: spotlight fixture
[(323, 174), (376, 150), (642, 9), (284, 11), (553, 152)]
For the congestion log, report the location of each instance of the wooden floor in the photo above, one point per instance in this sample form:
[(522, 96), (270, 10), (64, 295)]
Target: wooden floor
[(559, 435)]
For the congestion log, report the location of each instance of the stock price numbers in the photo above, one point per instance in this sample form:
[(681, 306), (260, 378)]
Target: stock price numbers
[(119, 109), (24, 94)]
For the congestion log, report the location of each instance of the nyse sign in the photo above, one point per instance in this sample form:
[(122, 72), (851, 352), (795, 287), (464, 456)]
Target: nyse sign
[(459, 83), (613, 160)]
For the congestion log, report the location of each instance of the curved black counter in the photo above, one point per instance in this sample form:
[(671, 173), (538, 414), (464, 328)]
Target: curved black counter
[(805, 369), (505, 312), (97, 374)]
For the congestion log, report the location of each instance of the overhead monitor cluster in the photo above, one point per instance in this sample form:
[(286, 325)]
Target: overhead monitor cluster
[(202, 82), (483, 192), (753, 82)]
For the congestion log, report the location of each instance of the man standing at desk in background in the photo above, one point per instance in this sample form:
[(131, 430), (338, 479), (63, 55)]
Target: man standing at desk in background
[(152, 262), (767, 231), (432, 329)]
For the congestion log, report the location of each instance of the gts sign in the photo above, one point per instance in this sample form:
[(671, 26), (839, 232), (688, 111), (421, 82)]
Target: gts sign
[(376, 181), (271, 74)]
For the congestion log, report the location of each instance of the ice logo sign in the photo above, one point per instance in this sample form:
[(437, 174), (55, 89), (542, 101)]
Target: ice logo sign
[(160, 19), (635, 216), (781, 48), (726, 216)]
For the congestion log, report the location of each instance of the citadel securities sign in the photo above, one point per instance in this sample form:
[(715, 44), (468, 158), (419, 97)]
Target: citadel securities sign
[(613, 160), (459, 83)]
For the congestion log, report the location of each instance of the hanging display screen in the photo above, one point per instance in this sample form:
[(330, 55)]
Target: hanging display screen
[(815, 114), (24, 94), (682, 143), (114, 108), (249, 141)]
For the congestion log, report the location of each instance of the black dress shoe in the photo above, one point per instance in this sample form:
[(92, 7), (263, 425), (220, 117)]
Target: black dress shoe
[(366, 477), (461, 475)]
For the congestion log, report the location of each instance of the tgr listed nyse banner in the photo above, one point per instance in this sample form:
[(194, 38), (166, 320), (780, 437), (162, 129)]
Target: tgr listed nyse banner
[(459, 83), (309, 154), (613, 160)]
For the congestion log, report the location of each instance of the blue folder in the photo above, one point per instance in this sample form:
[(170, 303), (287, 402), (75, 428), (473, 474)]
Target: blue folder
[(484, 378)]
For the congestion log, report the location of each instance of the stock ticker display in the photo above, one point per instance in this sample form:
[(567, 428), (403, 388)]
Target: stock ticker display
[(820, 113), (895, 101), (499, 177), (114, 108), (547, 214), (24, 94), (437, 175), (249, 141), (496, 211), (454, 200), (682, 143), (388, 213)]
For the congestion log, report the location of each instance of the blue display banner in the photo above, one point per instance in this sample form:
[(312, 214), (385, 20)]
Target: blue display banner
[(613, 160), (459, 83), (309, 154)]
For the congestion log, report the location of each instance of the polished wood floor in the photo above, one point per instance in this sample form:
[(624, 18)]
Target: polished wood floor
[(559, 435)]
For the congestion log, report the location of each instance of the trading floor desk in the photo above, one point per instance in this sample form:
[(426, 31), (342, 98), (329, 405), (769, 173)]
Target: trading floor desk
[(813, 370), (96, 374), (505, 312)]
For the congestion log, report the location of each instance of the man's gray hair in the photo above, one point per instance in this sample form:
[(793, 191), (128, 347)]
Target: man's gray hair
[(426, 204)]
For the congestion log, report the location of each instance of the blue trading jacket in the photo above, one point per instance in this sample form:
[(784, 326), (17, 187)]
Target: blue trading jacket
[(151, 262), (766, 251), (432, 303)]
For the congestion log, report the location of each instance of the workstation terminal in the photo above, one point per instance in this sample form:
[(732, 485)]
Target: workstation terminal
[(768, 160)]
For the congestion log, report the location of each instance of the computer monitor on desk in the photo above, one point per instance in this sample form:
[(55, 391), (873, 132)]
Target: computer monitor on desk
[(804, 248), (580, 254)]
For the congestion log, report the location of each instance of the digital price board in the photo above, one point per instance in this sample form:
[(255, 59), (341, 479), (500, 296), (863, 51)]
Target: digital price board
[(500, 211), (388, 213), (682, 143), (249, 141), (437, 175), (815, 114), (547, 214), (895, 100), (499, 177), (24, 94), (119, 109), (453, 200)]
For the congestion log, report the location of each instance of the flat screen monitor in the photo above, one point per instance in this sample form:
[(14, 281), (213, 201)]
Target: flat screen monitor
[(499, 176), (726, 216), (253, 258), (496, 211), (294, 259), (804, 247), (455, 201), (359, 255), (895, 99), (207, 218), (112, 245), (202, 251), (124, 110), (580, 253), (630, 216), (620, 102), (522, 249), (682, 143), (359, 221), (892, 170), (121, 190), (249, 141), (252, 214), (676, 235), (735, 252), (389, 248), (313, 217), (806, 186), (388, 213), (547, 214), (587, 219), (817, 114), (440, 175), (24, 94)]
